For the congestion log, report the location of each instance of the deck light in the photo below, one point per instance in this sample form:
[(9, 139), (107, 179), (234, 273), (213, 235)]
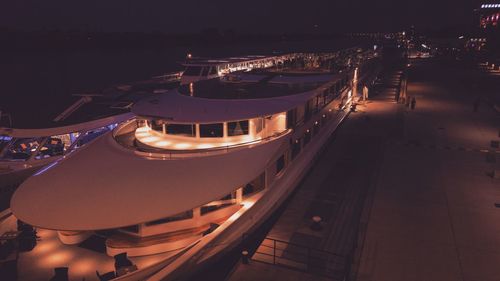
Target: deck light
[(163, 143), (182, 145)]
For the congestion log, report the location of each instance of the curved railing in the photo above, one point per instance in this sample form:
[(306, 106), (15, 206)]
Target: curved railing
[(158, 153)]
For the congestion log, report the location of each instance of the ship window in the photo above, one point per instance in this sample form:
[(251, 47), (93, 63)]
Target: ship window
[(132, 228), (291, 119), (257, 185), (53, 147), (192, 71), (212, 130), (187, 130), (204, 71), (316, 103), (224, 202), (280, 164), (237, 128), (259, 124), (90, 136), (325, 97), (213, 70), (4, 141), (21, 149), (307, 137), (157, 125), (307, 110), (181, 216)]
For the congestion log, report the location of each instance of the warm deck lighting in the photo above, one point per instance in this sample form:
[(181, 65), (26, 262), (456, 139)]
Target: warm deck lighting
[(59, 258), (150, 139), (182, 145), (45, 247), (163, 143), (83, 266)]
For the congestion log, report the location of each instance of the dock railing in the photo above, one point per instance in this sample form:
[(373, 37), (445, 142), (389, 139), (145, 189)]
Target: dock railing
[(303, 258)]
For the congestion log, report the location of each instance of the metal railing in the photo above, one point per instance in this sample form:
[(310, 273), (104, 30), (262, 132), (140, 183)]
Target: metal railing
[(303, 258), (152, 152)]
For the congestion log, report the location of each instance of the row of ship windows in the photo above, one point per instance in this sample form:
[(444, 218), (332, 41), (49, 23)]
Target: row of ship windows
[(299, 143), (214, 130)]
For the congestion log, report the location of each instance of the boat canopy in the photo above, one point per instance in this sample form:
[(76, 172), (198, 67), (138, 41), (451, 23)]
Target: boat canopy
[(186, 109), (99, 187), (85, 126)]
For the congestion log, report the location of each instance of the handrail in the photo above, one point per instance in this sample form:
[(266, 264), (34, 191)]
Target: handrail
[(302, 246), (326, 263)]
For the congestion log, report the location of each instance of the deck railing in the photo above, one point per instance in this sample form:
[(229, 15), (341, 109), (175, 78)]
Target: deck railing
[(152, 152), (303, 258)]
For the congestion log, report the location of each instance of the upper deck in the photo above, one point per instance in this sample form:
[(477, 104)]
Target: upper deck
[(223, 61), (257, 84)]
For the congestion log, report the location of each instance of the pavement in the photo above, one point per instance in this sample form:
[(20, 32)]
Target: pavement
[(423, 177), (433, 215)]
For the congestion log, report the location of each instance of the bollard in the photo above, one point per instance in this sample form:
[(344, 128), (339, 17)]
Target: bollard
[(316, 223), (244, 257)]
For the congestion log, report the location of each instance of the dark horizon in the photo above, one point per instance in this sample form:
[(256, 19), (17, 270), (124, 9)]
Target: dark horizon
[(318, 16)]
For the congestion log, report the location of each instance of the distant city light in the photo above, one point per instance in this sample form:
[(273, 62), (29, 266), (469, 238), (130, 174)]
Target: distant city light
[(488, 6)]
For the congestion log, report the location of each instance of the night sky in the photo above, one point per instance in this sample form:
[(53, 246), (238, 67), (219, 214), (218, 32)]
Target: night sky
[(254, 16)]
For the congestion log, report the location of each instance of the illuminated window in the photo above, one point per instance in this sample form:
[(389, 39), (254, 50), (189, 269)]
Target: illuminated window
[(52, 147), (224, 202), (259, 125), (237, 128), (21, 149)]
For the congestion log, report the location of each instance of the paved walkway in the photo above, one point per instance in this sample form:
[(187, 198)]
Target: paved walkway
[(433, 215)]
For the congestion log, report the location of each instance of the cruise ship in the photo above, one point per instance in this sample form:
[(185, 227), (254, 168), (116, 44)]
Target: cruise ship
[(178, 185)]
